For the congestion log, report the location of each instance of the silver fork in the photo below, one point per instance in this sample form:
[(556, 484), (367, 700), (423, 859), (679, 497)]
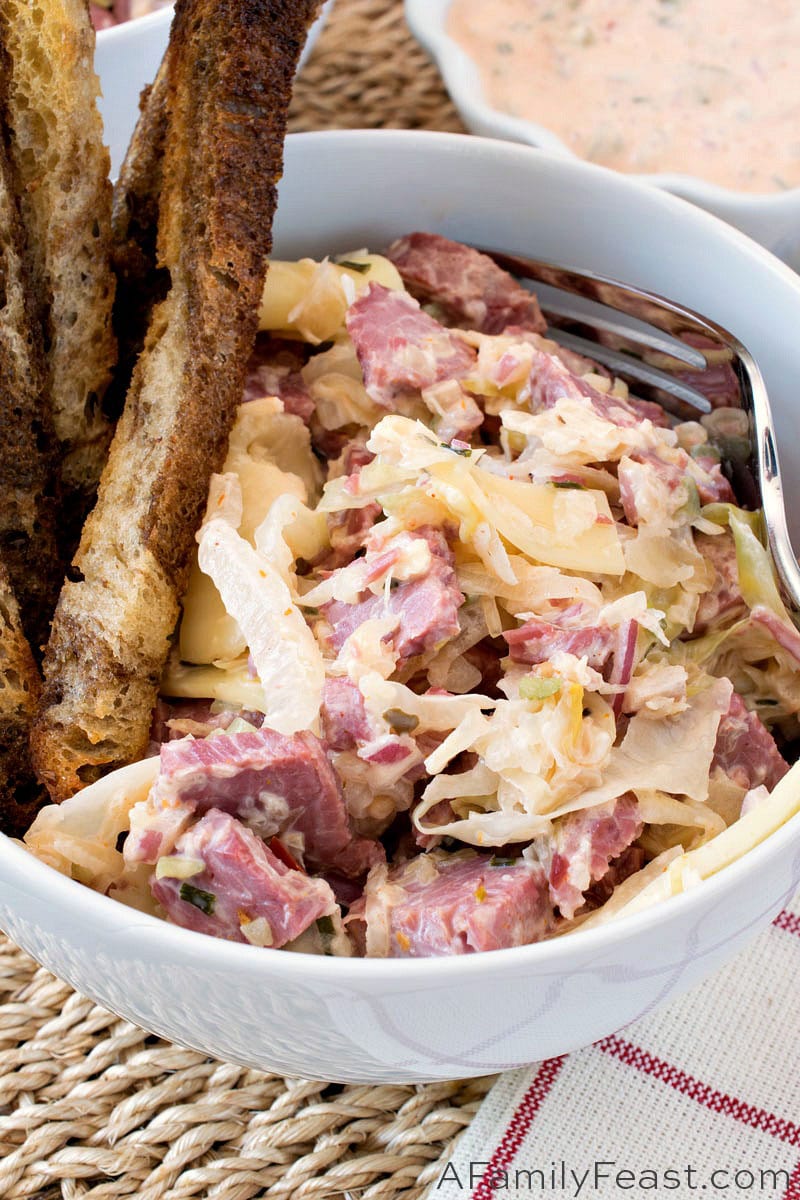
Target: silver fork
[(624, 348)]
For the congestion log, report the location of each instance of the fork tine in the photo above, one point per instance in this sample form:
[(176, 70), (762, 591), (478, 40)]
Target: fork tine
[(626, 350), (762, 474), (668, 317), (567, 315), (676, 397)]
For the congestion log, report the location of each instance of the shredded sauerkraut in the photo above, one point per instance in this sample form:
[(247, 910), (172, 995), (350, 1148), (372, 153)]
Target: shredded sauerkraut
[(471, 633)]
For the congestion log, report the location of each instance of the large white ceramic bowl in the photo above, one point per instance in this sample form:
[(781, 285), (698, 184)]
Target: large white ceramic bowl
[(371, 1020), (773, 220), (126, 59)]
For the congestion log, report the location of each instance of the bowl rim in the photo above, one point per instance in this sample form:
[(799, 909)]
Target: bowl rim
[(462, 77), (191, 947), (72, 899)]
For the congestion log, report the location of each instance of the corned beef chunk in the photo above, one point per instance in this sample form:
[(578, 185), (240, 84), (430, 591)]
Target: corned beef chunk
[(440, 904), (274, 370), (275, 784), (426, 607), (584, 845), (241, 890), (723, 602), (746, 750), (471, 289), (552, 381), (538, 640), (344, 717), (401, 349), (348, 529)]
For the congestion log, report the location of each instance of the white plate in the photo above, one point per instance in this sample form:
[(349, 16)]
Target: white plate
[(773, 220)]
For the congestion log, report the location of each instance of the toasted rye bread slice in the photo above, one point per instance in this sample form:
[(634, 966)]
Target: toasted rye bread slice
[(27, 465), (141, 283), (21, 795), (231, 65), (65, 196)]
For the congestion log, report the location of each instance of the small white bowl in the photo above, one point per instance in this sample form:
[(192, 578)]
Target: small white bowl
[(772, 219), (376, 1020), (126, 59)]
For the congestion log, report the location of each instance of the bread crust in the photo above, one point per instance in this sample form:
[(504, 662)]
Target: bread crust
[(141, 283), (230, 69), (21, 796), (28, 497), (65, 199)]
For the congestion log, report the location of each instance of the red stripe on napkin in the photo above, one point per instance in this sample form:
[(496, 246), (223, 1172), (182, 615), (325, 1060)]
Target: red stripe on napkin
[(519, 1125), (793, 1189), (702, 1093), (527, 1114), (788, 921)]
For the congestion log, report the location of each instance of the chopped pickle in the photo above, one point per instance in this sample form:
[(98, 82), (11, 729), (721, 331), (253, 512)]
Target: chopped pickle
[(399, 721), (205, 901), (534, 687)]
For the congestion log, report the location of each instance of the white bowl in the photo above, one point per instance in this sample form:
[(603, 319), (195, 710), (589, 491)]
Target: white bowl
[(375, 1020), (126, 59), (772, 219)]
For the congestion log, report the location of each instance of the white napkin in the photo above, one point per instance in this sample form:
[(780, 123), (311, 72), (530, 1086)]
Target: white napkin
[(701, 1098)]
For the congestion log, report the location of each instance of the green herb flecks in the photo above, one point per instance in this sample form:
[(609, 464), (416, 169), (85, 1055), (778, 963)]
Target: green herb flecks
[(205, 901), (361, 267)]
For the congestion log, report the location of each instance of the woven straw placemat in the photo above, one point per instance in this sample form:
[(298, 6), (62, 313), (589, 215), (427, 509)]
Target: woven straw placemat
[(90, 1106), (368, 72)]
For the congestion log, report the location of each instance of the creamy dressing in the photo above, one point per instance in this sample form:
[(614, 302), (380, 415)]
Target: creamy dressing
[(702, 87)]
